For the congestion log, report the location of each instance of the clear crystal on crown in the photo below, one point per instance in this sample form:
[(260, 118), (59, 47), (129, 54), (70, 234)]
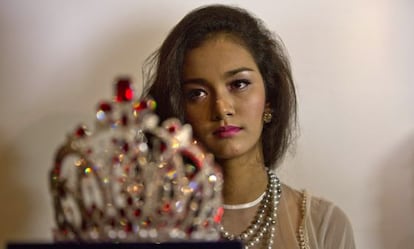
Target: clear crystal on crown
[(132, 179)]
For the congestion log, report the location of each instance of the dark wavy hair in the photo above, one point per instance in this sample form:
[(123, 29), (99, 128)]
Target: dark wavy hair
[(163, 69)]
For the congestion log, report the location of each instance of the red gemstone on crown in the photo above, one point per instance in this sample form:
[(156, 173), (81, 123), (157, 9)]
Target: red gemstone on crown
[(128, 227), (141, 105), (105, 107), (172, 128), (219, 215), (163, 147), (122, 212), (125, 147), (166, 208), (137, 212), (80, 131), (124, 92), (124, 120), (130, 201)]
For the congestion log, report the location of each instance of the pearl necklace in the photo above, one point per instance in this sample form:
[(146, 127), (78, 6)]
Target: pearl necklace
[(302, 237), (244, 205), (264, 223)]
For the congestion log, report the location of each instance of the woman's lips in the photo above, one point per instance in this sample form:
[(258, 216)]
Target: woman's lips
[(226, 131)]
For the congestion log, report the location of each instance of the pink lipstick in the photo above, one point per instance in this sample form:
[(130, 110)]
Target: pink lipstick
[(227, 131)]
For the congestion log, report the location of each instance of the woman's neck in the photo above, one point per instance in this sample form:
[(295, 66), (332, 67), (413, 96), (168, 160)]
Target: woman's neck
[(244, 181)]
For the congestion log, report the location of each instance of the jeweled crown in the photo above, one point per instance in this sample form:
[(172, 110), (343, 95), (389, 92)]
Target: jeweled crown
[(133, 179)]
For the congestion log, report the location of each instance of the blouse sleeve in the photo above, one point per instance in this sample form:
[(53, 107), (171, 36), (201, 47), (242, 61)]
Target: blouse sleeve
[(327, 226)]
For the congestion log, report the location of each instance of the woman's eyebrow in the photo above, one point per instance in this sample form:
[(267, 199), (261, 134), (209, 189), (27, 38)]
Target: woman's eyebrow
[(237, 70), (226, 74)]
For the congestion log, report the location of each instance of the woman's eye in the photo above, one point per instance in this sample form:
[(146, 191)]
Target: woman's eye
[(239, 84), (195, 94)]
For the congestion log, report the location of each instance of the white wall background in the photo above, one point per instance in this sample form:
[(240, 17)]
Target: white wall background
[(352, 61)]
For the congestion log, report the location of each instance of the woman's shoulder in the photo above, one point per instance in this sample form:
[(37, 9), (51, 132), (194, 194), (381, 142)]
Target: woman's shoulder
[(318, 208), (325, 213), (326, 224)]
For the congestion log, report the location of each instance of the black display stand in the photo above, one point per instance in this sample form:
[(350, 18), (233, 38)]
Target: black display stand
[(169, 245)]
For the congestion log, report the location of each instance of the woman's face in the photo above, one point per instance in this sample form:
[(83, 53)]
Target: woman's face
[(224, 98)]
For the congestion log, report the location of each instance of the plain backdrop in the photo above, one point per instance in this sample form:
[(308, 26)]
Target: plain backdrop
[(353, 67)]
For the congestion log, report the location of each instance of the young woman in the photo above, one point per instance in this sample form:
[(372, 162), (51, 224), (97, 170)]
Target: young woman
[(223, 72)]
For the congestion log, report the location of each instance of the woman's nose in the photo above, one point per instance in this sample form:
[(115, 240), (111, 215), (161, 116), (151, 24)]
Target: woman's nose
[(223, 109)]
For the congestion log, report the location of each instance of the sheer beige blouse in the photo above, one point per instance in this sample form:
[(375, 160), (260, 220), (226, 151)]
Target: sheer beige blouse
[(322, 224)]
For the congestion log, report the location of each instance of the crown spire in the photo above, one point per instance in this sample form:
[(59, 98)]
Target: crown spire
[(123, 90)]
